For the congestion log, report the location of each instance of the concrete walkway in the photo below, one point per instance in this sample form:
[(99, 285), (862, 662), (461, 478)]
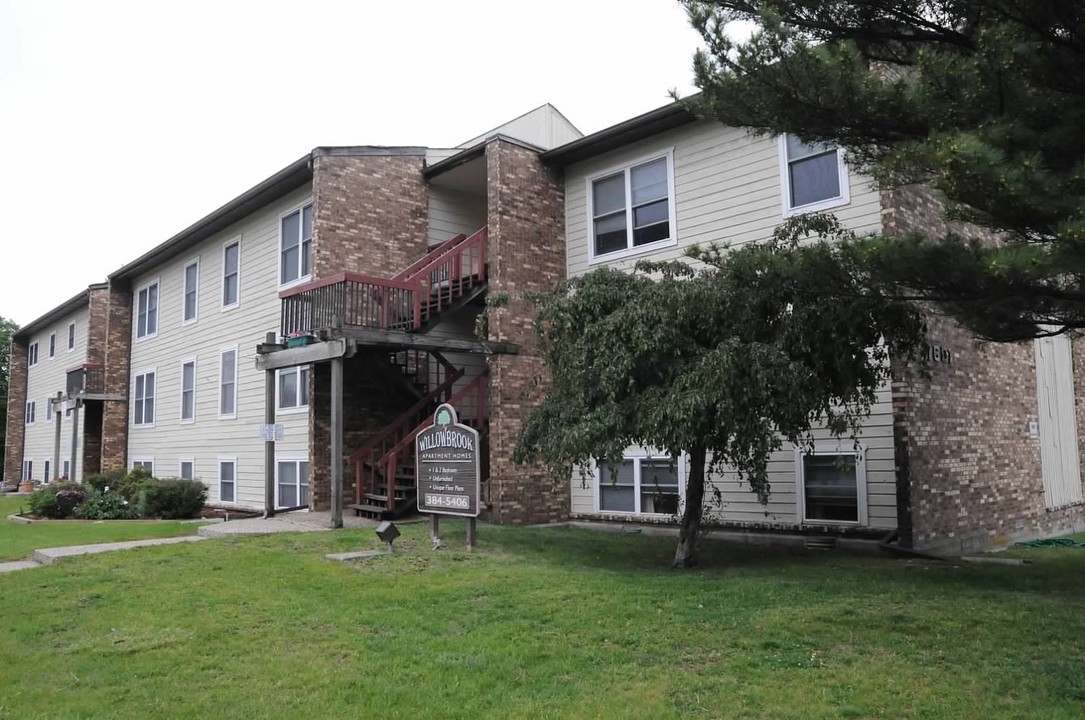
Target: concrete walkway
[(297, 521), (48, 556)]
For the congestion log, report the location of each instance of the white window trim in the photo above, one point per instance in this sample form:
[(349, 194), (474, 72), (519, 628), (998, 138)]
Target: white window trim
[(157, 314), (785, 184), (28, 469), (30, 412), (594, 259), (66, 469), (859, 453), (32, 354), (184, 290), (144, 459), (71, 336), (237, 367), (49, 408), (47, 471), (222, 276), (134, 376), (218, 476), (293, 409), (180, 467), (302, 279), (181, 392), (52, 345), (293, 458), (636, 455)]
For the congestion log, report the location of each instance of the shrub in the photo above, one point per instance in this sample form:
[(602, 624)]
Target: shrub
[(106, 506), (131, 484), (172, 499), (57, 500), (111, 479)]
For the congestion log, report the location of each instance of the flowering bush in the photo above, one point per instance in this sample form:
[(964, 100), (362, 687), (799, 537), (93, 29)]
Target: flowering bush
[(106, 505), (57, 500)]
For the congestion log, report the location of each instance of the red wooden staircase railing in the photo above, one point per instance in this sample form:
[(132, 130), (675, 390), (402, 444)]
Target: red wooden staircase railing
[(447, 274)]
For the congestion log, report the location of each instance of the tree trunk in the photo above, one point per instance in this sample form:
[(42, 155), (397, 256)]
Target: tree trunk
[(686, 554)]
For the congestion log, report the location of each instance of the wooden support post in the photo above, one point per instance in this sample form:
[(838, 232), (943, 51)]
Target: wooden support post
[(269, 445), (75, 439), (337, 443), (54, 409), (471, 533)]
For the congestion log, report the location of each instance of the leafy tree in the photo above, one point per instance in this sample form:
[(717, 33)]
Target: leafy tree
[(723, 360), (982, 99), (7, 329)]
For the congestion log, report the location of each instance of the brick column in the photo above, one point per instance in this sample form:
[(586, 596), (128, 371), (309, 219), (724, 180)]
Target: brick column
[(15, 432), (118, 355), (526, 251)]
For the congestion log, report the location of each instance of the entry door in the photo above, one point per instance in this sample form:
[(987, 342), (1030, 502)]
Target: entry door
[(1058, 423)]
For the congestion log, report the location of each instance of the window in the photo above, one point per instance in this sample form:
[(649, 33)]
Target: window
[(191, 283), (32, 355), (293, 482), (633, 208), (832, 486), (187, 470), (31, 411), (228, 384), (639, 485), (188, 391), (227, 480), (67, 474), (231, 274), (296, 245), (71, 337), (28, 470), (47, 406), (46, 476), (143, 399), (52, 345), (147, 311), (147, 465), (294, 388), (814, 176)]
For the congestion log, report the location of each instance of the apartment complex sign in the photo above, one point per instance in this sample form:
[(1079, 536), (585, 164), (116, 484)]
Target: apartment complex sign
[(447, 466)]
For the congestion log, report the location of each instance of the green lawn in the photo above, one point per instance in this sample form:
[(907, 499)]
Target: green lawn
[(18, 541), (537, 624)]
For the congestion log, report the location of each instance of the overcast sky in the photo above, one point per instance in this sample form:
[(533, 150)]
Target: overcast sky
[(121, 123)]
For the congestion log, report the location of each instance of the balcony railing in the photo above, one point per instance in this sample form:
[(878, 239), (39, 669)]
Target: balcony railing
[(88, 379)]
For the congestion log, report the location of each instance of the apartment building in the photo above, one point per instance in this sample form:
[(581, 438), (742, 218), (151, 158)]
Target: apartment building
[(382, 259)]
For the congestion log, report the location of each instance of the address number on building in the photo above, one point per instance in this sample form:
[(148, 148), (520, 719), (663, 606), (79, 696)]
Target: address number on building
[(459, 502)]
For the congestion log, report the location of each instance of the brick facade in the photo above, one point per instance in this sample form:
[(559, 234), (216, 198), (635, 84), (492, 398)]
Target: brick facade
[(15, 432), (117, 358), (968, 474), (370, 210), (526, 219)]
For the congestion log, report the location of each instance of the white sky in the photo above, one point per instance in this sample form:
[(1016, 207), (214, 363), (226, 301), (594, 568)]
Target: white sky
[(121, 123)]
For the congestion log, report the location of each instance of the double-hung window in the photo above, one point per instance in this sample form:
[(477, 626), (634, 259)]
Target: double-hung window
[(49, 409), (294, 388), (228, 384), (32, 355), (52, 345), (188, 391), (296, 245), (231, 274), (31, 411), (143, 395), (293, 482), (832, 486), (227, 480), (815, 176), (147, 311), (648, 485), (67, 474), (191, 288), (632, 209), (144, 464), (28, 470), (47, 476), (186, 470), (71, 337)]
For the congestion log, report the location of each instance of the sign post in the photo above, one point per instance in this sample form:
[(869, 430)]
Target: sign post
[(447, 468)]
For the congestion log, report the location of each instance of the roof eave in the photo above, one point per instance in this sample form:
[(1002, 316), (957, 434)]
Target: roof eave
[(624, 133)]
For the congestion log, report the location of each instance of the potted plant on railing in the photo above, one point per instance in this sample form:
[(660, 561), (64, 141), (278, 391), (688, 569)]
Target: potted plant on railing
[(299, 338)]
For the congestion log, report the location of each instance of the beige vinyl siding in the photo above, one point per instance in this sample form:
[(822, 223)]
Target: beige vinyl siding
[(728, 189), (542, 127), (44, 380), (452, 212), (215, 330)]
